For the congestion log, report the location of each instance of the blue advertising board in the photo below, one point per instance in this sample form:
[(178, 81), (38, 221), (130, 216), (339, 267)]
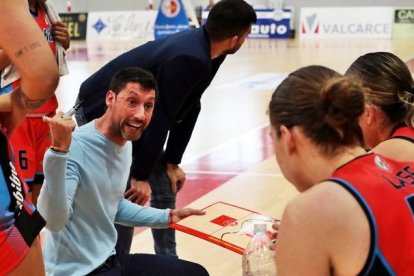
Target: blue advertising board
[(271, 23), (171, 18)]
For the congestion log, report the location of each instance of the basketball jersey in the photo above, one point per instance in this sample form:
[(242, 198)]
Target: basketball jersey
[(385, 191), (406, 133), (20, 222), (52, 104)]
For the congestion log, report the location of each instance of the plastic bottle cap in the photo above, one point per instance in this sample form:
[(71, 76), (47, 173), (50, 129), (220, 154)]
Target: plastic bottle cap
[(259, 228)]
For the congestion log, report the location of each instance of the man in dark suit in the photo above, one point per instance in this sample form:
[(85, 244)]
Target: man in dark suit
[(184, 65)]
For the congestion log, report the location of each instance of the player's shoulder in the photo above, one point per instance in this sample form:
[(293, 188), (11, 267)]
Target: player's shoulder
[(321, 201)]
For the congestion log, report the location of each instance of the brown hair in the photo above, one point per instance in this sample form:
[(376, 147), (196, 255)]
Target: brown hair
[(389, 85), (323, 103)]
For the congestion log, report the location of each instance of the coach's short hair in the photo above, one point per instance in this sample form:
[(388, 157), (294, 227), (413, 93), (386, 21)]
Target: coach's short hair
[(228, 18)]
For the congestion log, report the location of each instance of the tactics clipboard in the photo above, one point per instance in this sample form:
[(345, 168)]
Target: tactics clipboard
[(224, 224)]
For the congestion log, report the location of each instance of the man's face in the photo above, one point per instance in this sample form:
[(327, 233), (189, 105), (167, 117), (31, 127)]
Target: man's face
[(131, 111)]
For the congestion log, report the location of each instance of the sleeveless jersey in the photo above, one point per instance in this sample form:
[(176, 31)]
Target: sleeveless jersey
[(406, 133), (52, 104), (385, 191), (20, 222)]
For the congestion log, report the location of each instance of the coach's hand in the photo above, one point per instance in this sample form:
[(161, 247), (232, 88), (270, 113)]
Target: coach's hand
[(139, 192), (179, 214), (176, 176), (61, 131)]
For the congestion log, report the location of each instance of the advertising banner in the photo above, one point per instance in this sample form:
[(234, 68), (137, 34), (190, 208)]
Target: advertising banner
[(124, 25), (77, 23), (349, 22), (171, 18), (270, 23), (403, 26)]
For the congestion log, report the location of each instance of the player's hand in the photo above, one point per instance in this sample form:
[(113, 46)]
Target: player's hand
[(61, 130), (61, 34), (176, 176), (139, 192), (179, 214), (275, 227)]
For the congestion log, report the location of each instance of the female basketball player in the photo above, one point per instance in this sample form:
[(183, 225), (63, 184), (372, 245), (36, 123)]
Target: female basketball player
[(388, 120), (354, 214)]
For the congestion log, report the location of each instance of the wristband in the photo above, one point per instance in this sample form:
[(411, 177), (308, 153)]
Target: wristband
[(58, 150)]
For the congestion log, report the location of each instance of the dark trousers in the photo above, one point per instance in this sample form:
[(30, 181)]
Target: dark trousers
[(162, 197), (149, 265)]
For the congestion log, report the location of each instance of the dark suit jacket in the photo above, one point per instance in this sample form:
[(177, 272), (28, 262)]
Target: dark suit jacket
[(183, 68)]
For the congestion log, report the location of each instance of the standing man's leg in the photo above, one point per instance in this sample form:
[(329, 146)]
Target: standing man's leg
[(162, 197)]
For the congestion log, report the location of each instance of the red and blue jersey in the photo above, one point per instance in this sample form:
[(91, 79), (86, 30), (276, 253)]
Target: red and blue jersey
[(20, 222), (384, 188), (46, 29), (406, 133)]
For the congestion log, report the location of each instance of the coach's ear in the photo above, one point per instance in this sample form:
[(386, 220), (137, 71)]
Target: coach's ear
[(110, 98), (233, 41)]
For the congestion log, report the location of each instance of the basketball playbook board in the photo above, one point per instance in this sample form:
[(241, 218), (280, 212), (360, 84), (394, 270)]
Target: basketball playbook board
[(225, 224)]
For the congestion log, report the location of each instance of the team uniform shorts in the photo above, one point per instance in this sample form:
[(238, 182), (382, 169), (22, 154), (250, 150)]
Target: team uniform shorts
[(29, 144)]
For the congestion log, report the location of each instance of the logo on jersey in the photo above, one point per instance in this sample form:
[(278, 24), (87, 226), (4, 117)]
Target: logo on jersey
[(381, 163), (16, 185), (47, 32)]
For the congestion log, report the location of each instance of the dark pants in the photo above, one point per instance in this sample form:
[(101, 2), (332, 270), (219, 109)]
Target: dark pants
[(162, 197), (149, 265)]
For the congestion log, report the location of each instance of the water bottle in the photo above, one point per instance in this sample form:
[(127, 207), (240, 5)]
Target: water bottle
[(258, 259)]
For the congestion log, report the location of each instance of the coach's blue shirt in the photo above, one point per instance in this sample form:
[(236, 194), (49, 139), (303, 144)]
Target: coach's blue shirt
[(82, 197)]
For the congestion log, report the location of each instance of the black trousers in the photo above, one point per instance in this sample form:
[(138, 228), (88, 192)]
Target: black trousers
[(148, 265)]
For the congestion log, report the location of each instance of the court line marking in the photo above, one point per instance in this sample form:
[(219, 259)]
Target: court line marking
[(230, 141)]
